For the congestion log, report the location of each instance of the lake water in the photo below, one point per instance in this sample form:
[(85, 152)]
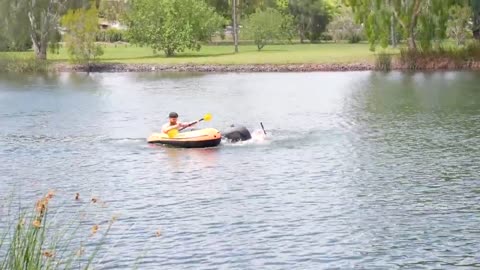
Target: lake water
[(359, 170)]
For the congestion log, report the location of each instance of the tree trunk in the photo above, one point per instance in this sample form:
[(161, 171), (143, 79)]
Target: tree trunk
[(301, 33), (413, 24), (234, 18), (169, 52), (39, 29), (410, 26), (36, 45), (476, 34), (392, 30), (38, 40), (412, 45), (41, 53), (476, 26)]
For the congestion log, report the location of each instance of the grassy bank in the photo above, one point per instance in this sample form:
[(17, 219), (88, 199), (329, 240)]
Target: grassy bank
[(273, 54), (292, 57)]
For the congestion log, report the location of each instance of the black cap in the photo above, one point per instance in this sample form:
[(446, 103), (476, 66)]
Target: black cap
[(173, 115)]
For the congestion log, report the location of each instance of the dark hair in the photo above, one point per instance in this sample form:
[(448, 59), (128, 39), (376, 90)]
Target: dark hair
[(173, 115)]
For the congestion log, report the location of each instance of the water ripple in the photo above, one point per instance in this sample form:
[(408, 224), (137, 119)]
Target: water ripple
[(358, 170)]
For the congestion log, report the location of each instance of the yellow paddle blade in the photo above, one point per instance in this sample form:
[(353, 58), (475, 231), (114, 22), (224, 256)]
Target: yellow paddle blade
[(207, 117), (173, 133)]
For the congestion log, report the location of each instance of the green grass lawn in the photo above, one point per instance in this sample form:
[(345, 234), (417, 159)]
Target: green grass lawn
[(223, 54)]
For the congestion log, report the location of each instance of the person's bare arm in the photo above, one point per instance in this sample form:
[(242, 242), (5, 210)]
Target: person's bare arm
[(166, 128)]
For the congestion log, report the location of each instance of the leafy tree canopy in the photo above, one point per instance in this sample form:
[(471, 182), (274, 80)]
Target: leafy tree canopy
[(266, 26), (172, 25)]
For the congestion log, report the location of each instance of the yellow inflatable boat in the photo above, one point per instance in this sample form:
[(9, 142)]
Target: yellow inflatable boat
[(208, 137)]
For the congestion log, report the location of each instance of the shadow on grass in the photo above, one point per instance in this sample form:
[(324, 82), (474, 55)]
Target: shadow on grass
[(190, 55), (162, 56)]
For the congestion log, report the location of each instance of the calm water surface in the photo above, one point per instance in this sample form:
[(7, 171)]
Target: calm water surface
[(360, 170)]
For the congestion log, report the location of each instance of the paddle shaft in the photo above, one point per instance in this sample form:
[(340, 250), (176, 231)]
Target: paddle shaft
[(263, 128), (191, 124)]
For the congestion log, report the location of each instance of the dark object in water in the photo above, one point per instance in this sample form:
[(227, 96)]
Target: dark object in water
[(237, 134)]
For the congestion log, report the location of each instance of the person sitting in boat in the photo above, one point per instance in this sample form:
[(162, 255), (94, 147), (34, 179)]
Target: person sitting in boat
[(174, 124)]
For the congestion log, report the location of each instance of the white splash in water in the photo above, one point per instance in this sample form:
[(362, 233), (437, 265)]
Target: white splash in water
[(258, 138)]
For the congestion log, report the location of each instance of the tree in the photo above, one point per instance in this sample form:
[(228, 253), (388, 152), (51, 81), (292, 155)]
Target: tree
[(235, 25), (458, 24), (417, 19), (43, 16), (82, 28), (343, 27), (244, 7), (112, 10), (38, 18), (282, 5), (14, 31), (248, 7), (311, 17), (475, 4), (171, 25), (266, 26), (222, 7)]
